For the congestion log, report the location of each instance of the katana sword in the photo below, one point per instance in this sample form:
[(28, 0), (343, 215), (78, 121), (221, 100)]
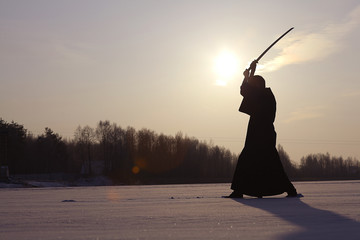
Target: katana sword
[(258, 59), (253, 66)]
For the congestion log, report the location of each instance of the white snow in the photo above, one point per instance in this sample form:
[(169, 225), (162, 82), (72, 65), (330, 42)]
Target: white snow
[(328, 210)]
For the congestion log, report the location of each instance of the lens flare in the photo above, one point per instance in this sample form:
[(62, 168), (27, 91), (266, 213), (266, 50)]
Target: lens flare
[(135, 170)]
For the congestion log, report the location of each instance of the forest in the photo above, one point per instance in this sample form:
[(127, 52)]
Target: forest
[(130, 156)]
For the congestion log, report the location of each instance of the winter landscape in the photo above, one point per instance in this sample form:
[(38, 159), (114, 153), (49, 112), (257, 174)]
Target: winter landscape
[(329, 210), (120, 119)]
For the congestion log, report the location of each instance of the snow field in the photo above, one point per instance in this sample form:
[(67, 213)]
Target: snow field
[(329, 210)]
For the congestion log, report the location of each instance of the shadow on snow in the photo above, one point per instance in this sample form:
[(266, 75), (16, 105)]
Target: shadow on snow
[(315, 223)]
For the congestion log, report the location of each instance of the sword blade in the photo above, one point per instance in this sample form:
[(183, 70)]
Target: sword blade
[(258, 59)]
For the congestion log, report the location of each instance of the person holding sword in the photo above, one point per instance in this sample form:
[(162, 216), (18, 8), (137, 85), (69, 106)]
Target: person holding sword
[(259, 171)]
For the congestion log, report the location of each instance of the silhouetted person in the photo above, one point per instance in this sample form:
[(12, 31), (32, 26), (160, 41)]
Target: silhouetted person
[(259, 171)]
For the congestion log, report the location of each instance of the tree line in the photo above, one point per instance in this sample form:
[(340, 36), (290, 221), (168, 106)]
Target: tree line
[(130, 156), (127, 156), (320, 166)]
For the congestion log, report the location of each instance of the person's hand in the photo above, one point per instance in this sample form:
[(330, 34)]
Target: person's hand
[(253, 65), (247, 73), (253, 68)]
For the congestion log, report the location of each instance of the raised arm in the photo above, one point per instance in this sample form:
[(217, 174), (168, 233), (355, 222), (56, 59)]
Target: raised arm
[(249, 72)]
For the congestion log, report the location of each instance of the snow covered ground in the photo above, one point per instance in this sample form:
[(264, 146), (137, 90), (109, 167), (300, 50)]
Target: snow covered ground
[(329, 210)]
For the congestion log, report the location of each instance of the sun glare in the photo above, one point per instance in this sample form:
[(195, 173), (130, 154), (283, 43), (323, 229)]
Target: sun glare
[(226, 66)]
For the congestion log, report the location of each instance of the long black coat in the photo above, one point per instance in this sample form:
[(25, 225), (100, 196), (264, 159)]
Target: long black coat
[(259, 171)]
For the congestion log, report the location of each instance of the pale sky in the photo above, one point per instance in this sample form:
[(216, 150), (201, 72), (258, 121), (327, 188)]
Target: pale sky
[(155, 64)]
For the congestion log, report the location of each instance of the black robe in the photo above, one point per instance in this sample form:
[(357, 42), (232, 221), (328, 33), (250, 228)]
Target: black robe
[(259, 171)]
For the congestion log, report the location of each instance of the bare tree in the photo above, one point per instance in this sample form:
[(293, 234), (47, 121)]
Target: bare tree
[(103, 134), (85, 138)]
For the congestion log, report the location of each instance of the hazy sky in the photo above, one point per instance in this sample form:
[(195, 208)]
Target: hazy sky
[(160, 65)]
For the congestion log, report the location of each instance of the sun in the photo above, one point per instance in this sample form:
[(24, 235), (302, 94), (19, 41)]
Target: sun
[(226, 66)]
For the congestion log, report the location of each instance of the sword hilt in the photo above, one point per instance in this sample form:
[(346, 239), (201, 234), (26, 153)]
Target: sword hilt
[(252, 67)]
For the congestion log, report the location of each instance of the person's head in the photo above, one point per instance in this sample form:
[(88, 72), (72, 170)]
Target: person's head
[(257, 81)]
